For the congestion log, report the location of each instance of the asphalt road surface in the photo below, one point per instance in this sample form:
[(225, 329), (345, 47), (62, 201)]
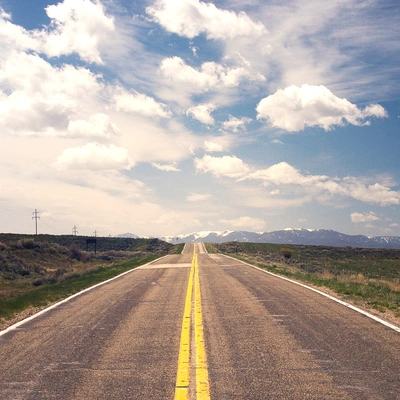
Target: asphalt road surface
[(265, 338)]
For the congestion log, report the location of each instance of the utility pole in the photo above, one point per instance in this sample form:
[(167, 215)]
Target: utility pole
[(36, 217), (95, 233), (74, 230)]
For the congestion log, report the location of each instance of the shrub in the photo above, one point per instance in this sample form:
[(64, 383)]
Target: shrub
[(60, 272), (27, 244), (4, 247), (39, 270), (76, 253), (287, 252), (55, 248)]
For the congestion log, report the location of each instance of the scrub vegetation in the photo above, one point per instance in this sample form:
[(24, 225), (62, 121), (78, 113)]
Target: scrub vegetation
[(363, 276), (36, 271)]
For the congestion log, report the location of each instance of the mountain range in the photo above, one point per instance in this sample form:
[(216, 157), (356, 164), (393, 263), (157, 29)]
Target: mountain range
[(316, 237)]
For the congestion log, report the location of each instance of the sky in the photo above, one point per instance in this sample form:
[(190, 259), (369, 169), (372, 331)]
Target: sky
[(166, 117)]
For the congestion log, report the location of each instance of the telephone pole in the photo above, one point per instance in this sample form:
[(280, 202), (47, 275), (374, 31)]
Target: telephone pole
[(36, 217), (75, 230)]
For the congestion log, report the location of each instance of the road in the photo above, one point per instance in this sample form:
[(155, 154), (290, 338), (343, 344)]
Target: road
[(252, 336)]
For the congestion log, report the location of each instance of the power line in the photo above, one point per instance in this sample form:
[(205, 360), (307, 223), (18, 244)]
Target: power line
[(36, 217), (12, 213), (75, 230), (50, 227)]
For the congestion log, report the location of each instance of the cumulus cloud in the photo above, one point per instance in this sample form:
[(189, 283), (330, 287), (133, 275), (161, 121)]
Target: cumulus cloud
[(374, 193), (202, 113), (139, 103), (23, 115), (235, 124), (295, 108), (229, 166), (212, 146), (95, 156), (210, 75), (191, 18), (39, 99), (13, 36), (197, 197), (284, 176), (98, 125), (31, 73), (166, 167), (248, 223), (360, 218), (77, 26)]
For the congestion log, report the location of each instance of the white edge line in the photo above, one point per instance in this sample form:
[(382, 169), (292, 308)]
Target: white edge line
[(19, 323), (359, 310)]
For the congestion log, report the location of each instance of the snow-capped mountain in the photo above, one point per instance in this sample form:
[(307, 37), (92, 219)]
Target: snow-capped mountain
[(129, 235), (202, 236), (317, 237)]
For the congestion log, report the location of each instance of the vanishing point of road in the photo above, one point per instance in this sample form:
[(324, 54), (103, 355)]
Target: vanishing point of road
[(200, 326)]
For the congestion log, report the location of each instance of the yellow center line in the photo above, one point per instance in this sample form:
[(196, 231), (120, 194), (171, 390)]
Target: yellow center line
[(183, 374), (202, 383)]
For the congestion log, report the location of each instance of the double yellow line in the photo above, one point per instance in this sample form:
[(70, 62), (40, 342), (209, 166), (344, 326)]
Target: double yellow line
[(184, 375)]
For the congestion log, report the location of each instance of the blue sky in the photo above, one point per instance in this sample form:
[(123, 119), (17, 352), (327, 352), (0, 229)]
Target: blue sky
[(168, 117)]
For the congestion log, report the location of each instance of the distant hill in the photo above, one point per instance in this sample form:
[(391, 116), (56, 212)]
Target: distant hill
[(103, 243), (316, 237)]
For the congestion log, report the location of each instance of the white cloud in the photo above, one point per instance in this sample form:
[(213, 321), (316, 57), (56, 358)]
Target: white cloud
[(21, 114), (360, 218), (166, 167), (248, 223), (374, 193), (212, 146), (99, 125), (276, 141), (31, 73), (197, 197), (202, 113), (235, 124), (294, 108), (289, 178), (79, 198), (210, 75), (39, 99), (182, 220), (77, 26), (94, 156), (191, 18), (13, 36), (139, 103), (285, 174), (194, 50), (229, 166)]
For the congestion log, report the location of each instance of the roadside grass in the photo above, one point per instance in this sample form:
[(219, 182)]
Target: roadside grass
[(366, 277), (48, 293), (178, 248)]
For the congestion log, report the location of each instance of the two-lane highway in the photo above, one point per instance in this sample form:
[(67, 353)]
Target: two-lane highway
[(252, 336), (118, 341)]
